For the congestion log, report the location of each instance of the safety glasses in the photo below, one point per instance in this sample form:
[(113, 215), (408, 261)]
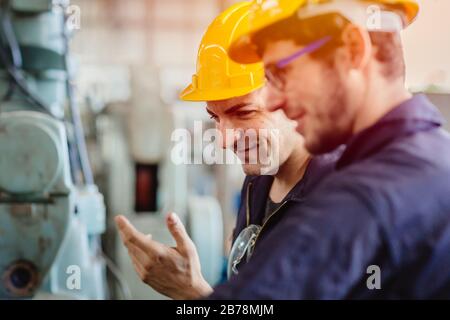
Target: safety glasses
[(275, 72), (242, 248)]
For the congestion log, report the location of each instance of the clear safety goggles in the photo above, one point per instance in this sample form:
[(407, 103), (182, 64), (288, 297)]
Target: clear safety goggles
[(274, 72), (242, 248)]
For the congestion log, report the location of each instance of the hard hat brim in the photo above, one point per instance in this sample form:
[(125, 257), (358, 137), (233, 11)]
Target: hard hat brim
[(195, 95)]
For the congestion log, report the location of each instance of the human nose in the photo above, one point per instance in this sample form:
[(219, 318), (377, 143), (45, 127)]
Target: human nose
[(275, 98), (228, 134)]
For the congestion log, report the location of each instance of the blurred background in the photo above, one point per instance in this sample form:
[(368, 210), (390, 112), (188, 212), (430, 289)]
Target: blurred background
[(129, 60), (135, 58)]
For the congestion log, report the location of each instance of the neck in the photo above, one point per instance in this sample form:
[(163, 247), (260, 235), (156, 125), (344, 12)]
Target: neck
[(379, 100), (289, 173)]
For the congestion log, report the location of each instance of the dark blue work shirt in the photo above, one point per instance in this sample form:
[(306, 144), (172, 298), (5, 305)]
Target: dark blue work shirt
[(386, 208), (255, 192)]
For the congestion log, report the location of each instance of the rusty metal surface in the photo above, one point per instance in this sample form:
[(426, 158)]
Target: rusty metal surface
[(30, 233)]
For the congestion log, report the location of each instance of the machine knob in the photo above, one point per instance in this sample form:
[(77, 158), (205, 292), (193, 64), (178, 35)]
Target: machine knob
[(21, 279)]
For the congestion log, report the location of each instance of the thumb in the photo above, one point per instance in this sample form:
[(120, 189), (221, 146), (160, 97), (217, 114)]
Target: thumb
[(178, 231)]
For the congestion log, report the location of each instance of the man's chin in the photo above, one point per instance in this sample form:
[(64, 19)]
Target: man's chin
[(258, 170), (251, 169)]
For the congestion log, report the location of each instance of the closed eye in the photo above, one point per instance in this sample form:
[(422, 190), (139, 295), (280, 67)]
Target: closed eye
[(212, 115), (245, 113)]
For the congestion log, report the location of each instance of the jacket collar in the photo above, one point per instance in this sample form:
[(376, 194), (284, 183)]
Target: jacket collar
[(259, 189), (412, 116)]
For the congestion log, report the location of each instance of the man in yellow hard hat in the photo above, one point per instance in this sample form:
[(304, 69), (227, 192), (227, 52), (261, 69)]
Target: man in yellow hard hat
[(236, 100), (379, 226)]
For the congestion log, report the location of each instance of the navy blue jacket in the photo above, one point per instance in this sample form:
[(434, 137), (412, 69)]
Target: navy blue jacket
[(387, 205)]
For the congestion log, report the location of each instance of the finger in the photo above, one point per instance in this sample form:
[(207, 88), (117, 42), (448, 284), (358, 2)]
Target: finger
[(138, 267), (130, 234), (178, 231), (122, 236), (144, 258), (149, 258), (122, 223)]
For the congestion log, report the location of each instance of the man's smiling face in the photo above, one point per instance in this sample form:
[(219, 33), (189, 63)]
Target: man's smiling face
[(247, 116)]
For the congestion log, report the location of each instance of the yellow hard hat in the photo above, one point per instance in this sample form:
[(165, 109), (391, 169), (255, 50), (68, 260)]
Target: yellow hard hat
[(218, 77), (267, 12)]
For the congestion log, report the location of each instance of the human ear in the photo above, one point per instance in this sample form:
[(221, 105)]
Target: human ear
[(358, 46)]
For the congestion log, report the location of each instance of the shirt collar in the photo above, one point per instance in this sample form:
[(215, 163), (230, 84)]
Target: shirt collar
[(262, 184), (412, 116)]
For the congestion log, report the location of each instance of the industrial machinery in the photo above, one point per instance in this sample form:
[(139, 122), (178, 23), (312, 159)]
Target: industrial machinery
[(51, 213)]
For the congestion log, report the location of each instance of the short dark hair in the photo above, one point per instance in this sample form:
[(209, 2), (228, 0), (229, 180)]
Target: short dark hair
[(389, 51)]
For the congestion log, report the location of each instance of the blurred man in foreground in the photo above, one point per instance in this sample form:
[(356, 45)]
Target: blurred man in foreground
[(379, 226)]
